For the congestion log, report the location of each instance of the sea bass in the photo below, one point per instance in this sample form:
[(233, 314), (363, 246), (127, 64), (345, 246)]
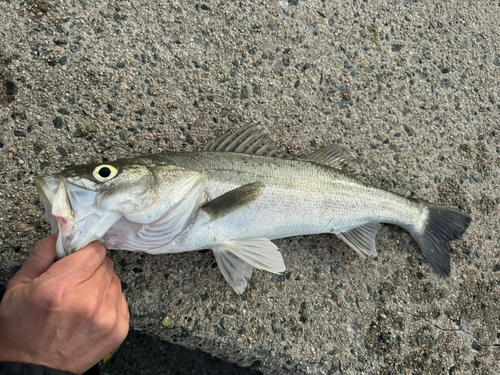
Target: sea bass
[(234, 197)]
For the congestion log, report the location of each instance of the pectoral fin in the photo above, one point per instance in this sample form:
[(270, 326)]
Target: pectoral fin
[(362, 239), (236, 271), (234, 200)]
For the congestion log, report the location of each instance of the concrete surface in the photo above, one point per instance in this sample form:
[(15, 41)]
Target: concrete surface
[(411, 88)]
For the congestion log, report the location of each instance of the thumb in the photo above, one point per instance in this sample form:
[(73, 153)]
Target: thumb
[(39, 260)]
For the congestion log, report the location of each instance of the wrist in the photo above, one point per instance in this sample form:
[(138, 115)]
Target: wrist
[(7, 367), (15, 359)]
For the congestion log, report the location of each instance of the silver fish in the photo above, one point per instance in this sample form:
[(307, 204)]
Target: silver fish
[(234, 198)]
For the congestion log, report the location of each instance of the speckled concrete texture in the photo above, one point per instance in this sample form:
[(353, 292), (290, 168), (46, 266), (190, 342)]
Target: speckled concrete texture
[(410, 87)]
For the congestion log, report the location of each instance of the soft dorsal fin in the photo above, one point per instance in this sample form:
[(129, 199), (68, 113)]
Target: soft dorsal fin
[(334, 156), (362, 239), (248, 139), (234, 200)]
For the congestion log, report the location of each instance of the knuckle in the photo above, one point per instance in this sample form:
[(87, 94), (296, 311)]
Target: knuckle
[(46, 245), (121, 332), (116, 282), (91, 308), (109, 263), (109, 323), (105, 322), (97, 246), (38, 245), (126, 311), (49, 295)]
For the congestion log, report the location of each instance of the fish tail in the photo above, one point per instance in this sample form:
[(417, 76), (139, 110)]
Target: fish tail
[(442, 225)]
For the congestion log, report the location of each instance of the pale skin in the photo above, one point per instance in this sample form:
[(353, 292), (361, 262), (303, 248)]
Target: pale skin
[(66, 315)]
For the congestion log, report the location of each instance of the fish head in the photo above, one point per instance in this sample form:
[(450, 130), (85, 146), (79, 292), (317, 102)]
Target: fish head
[(82, 203)]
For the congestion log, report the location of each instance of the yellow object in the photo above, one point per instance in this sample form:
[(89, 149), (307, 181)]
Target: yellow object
[(168, 322), (108, 356)]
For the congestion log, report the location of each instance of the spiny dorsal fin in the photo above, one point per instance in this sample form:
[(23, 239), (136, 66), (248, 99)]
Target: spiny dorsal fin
[(334, 156), (234, 200), (249, 139), (362, 239)]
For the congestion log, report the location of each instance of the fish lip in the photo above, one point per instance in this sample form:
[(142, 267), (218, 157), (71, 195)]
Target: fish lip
[(43, 189), (46, 195), (51, 196), (75, 229)]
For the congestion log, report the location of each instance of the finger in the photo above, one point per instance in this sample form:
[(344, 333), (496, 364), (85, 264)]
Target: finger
[(122, 329), (90, 300), (39, 260), (124, 308), (110, 318), (122, 305), (79, 266), (115, 300), (114, 292), (100, 281), (123, 315)]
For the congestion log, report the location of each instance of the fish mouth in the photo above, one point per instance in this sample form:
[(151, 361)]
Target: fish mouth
[(73, 213)]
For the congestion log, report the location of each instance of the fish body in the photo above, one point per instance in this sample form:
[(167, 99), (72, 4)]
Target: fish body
[(300, 197), (234, 198)]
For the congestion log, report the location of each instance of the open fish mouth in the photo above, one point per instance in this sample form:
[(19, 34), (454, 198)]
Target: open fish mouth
[(73, 213)]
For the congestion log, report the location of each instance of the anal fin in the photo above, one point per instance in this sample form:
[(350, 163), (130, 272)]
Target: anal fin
[(362, 239)]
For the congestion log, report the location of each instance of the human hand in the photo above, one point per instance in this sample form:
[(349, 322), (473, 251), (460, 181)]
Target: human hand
[(65, 315)]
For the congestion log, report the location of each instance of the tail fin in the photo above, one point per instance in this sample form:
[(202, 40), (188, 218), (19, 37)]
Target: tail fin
[(443, 225)]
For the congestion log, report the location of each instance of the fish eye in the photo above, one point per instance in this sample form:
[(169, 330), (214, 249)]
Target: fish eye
[(104, 172)]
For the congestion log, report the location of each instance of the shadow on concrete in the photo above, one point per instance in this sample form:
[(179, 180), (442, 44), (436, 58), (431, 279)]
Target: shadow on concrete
[(143, 354)]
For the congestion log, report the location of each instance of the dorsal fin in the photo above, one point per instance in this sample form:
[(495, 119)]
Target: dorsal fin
[(249, 139), (334, 156)]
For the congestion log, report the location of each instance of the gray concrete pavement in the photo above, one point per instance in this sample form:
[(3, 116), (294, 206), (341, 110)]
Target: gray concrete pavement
[(411, 88)]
